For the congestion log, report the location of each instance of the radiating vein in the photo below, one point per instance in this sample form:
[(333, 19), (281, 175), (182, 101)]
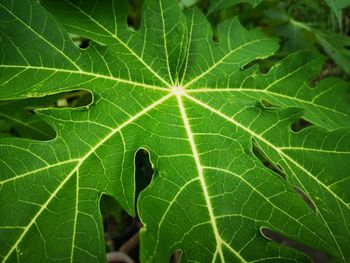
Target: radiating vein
[(121, 42), (44, 168), (165, 43), (188, 50), (291, 148), (79, 164), (254, 189), (75, 217), (277, 149), (173, 201), (58, 70), (217, 63), (264, 91), (281, 153), (204, 186), (42, 38)]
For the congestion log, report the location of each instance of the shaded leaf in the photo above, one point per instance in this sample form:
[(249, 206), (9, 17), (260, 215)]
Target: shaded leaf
[(336, 5), (336, 46), (221, 4), (21, 120), (216, 5)]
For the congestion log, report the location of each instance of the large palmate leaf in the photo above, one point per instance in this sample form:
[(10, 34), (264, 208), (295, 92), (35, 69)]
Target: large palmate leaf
[(198, 108)]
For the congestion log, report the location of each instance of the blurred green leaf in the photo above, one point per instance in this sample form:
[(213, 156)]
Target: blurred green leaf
[(216, 5), (337, 5), (188, 3), (336, 46)]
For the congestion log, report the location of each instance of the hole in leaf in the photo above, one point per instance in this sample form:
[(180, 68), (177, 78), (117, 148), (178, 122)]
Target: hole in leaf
[(259, 64), (313, 83), (300, 125), (77, 99), (135, 14), (85, 43), (266, 104), (144, 170), (264, 65), (30, 111), (121, 230), (22, 121), (314, 254), (328, 69), (305, 198), (215, 38), (176, 256), (277, 169), (118, 257), (79, 41), (280, 169)]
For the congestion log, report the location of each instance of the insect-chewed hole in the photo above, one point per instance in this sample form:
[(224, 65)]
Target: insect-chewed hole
[(307, 200), (75, 99), (79, 41), (121, 231), (144, 170), (216, 38), (299, 125), (314, 254), (122, 234), (135, 14), (24, 122), (263, 65), (258, 64), (313, 83), (85, 43), (267, 105), (328, 69), (275, 168), (176, 256)]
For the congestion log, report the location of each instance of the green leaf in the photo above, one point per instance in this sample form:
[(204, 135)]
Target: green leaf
[(217, 5), (336, 46), (198, 108), (23, 122), (337, 5), (188, 3)]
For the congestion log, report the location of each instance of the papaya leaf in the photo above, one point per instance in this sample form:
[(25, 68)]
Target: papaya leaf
[(201, 111)]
